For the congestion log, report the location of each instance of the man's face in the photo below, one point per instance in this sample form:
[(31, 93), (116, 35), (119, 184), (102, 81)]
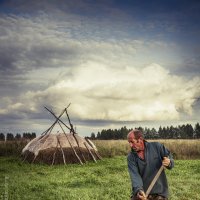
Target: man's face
[(136, 145)]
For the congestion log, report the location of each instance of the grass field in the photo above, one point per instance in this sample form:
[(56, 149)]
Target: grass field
[(181, 149), (106, 180)]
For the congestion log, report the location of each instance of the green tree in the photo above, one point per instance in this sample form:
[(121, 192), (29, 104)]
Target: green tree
[(92, 136), (98, 135), (2, 137), (9, 137), (33, 135), (182, 132), (17, 136), (160, 132), (189, 131), (147, 133), (197, 130)]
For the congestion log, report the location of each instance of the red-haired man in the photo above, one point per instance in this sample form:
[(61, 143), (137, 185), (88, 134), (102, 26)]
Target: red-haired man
[(144, 161)]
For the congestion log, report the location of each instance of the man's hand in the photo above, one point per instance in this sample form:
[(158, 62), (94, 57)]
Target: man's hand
[(141, 195), (166, 161)]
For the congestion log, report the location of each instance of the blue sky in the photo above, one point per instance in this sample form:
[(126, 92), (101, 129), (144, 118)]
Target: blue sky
[(117, 62)]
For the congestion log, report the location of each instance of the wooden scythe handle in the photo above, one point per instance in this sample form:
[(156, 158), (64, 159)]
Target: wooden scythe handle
[(154, 180)]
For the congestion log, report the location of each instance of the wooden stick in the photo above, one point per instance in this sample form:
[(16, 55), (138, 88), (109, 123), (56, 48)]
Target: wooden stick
[(72, 128), (54, 154), (90, 152), (74, 151), (25, 157), (71, 144), (74, 135), (34, 159), (154, 180), (51, 127), (58, 118), (97, 154), (94, 148), (61, 150)]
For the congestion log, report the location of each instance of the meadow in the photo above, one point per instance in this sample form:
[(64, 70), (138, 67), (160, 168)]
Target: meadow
[(180, 148), (108, 179)]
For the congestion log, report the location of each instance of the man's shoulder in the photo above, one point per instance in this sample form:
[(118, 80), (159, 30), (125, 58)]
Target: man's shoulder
[(154, 144)]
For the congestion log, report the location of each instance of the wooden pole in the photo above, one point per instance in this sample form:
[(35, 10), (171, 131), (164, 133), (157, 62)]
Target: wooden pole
[(61, 150), (54, 154), (74, 150), (90, 152), (57, 118), (154, 180), (93, 147), (71, 126), (71, 144), (74, 135)]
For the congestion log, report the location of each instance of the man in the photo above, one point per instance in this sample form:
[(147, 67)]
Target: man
[(144, 161)]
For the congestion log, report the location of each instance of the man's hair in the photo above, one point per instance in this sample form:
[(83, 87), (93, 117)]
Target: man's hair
[(138, 134)]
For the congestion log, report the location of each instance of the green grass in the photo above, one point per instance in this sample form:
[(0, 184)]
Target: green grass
[(106, 180), (184, 180)]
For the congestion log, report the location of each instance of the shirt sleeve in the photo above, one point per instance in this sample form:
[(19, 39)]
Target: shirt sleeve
[(136, 180), (166, 153)]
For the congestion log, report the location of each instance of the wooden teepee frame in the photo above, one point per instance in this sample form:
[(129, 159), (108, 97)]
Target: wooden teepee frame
[(78, 154)]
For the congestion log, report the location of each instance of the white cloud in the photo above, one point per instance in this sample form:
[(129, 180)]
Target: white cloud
[(98, 92), (52, 62)]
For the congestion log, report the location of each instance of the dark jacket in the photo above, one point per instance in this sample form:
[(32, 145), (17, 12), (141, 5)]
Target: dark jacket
[(142, 172)]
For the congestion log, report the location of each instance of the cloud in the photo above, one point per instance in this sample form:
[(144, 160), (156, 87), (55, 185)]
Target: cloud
[(96, 56), (103, 79), (33, 46), (115, 94), (33, 43), (39, 42)]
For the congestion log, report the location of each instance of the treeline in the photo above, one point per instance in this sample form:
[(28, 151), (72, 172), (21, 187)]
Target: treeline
[(180, 132), (18, 136)]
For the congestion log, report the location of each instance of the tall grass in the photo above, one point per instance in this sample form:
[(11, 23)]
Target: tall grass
[(181, 149), (12, 148)]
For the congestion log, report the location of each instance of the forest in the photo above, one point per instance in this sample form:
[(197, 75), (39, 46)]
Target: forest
[(18, 136), (179, 132), (170, 132)]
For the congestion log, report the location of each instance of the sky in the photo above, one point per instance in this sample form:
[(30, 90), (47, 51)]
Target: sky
[(118, 62)]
